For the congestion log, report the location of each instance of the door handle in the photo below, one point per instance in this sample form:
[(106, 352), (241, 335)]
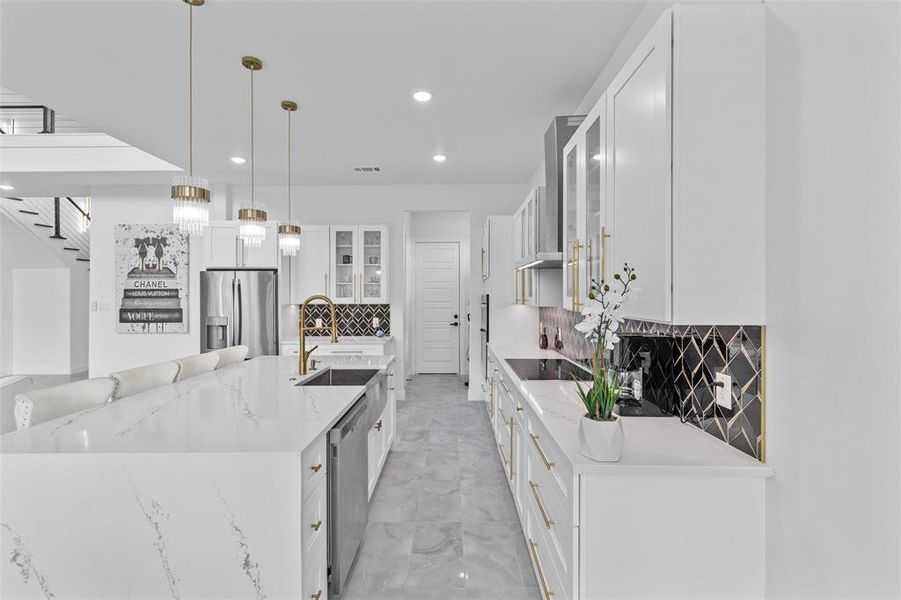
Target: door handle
[(455, 324), (234, 320), (240, 314)]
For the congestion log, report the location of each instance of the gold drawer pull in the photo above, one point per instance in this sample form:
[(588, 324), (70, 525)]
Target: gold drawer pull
[(316, 596), (533, 547), (378, 425), (316, 468), (503, 417), (504, 385), (315, 526), (550, 465), (547, 521), (503, 452)]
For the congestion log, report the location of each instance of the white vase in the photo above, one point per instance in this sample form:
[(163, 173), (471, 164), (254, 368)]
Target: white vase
[(601, 440)]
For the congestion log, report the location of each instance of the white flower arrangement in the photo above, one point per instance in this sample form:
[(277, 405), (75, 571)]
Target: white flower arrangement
[(602, 317)]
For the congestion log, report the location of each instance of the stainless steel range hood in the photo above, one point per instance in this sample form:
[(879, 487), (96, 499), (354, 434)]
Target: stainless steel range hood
[(548, 225)]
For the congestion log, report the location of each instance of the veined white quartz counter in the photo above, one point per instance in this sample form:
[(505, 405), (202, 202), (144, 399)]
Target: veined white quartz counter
[(255, 406), (653, 445)]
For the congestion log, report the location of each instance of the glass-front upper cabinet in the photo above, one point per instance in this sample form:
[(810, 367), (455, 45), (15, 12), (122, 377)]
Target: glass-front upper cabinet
[(359, 264), (571, 244), (373, 282), (593, 229), (343, 279)]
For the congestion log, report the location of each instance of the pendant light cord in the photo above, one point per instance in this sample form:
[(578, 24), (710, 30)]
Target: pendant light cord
[(289, 165), (191, 90), (252, 201)]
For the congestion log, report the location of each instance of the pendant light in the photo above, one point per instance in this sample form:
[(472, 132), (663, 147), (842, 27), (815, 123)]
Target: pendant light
[(191, 195), (252, 228), (289, 233)]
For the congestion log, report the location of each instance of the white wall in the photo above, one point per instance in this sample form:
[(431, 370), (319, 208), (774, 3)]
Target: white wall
[(41, 320), (833, 299), (375, 204), (437, 226), (22, 249), (109, 350)]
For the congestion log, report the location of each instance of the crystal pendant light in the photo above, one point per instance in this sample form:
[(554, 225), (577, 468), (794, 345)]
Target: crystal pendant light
[(289, 233), (252, 228), (191, 194)]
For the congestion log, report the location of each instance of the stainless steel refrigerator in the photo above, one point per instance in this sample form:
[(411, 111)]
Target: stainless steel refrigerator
[(239, 307)]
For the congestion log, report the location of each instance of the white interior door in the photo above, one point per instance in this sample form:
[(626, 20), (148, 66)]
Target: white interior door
[(438, 320)]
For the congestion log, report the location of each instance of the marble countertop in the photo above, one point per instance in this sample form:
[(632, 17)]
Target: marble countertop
[(653, 445), (255, 406), (342, 339)]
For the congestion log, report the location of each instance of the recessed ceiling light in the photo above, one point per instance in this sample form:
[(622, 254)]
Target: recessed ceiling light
[(439, 158), (238, 160), (422, 95), (6, 188)]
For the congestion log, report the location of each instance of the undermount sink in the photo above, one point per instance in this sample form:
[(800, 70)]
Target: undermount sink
[(342, 377)]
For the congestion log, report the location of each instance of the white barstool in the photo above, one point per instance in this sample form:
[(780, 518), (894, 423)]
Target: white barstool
[(140, 379), (231, 355), (42, 405), (197, 364)]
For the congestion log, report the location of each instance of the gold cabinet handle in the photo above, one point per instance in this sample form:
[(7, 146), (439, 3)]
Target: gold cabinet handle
[(315, 468), (604, 236), (316, 596), (315, 526), (533, 548), (378, 425), (512, 425), (503, 452), (588, 259), (503, 417), (548, 522), (577, 295), (548, 464), (504, 385)]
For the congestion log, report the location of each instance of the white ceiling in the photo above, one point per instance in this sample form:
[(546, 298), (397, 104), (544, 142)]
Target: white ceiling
[(498, 70)]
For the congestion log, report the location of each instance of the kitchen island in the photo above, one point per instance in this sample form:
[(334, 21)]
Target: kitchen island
[(211, 487)]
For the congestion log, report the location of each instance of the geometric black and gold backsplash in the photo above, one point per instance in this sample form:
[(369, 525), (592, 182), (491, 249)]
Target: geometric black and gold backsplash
[(353, 319), (680, 377)]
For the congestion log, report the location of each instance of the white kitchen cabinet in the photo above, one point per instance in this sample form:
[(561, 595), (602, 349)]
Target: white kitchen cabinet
[(572, 174), (498, 274), (381, 436), (359, 264), (667, 173), (309, 269), (223, 249), (639, 121)]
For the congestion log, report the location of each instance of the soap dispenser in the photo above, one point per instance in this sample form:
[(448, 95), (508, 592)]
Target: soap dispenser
[(542, 339), (558, 341)]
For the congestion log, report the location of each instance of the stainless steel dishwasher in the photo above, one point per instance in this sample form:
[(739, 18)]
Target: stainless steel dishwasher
[(348, 492)]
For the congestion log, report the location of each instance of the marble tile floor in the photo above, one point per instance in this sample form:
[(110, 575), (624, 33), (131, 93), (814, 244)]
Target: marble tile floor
[(442, 523)]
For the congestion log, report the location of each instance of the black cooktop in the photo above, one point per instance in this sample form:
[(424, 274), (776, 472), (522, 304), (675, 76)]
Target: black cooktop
[(547, 369)]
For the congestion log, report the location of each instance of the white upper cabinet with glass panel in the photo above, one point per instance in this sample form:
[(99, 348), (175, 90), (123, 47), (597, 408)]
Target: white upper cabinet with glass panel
[(359, 264)]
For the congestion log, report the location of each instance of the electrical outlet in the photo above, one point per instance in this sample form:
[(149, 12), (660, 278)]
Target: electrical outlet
[(723, 390)]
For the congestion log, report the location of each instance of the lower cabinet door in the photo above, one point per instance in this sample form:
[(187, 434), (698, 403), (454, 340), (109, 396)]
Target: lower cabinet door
[(313, 514), (315, 572), (550, 583)]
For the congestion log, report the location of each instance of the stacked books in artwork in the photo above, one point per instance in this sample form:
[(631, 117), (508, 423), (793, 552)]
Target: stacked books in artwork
[(150, 296)]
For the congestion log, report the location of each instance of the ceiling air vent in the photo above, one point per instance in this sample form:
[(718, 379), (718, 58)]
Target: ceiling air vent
[(367, 169)]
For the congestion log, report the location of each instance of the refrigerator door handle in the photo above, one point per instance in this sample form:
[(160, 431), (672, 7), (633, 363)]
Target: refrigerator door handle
[(240, 314), (234, 320)]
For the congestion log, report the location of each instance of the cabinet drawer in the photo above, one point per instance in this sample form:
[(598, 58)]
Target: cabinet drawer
[(342, 349), (551, 584), (313, 462), (550, 458), (313, 515), (315, 571), (553, 515)]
